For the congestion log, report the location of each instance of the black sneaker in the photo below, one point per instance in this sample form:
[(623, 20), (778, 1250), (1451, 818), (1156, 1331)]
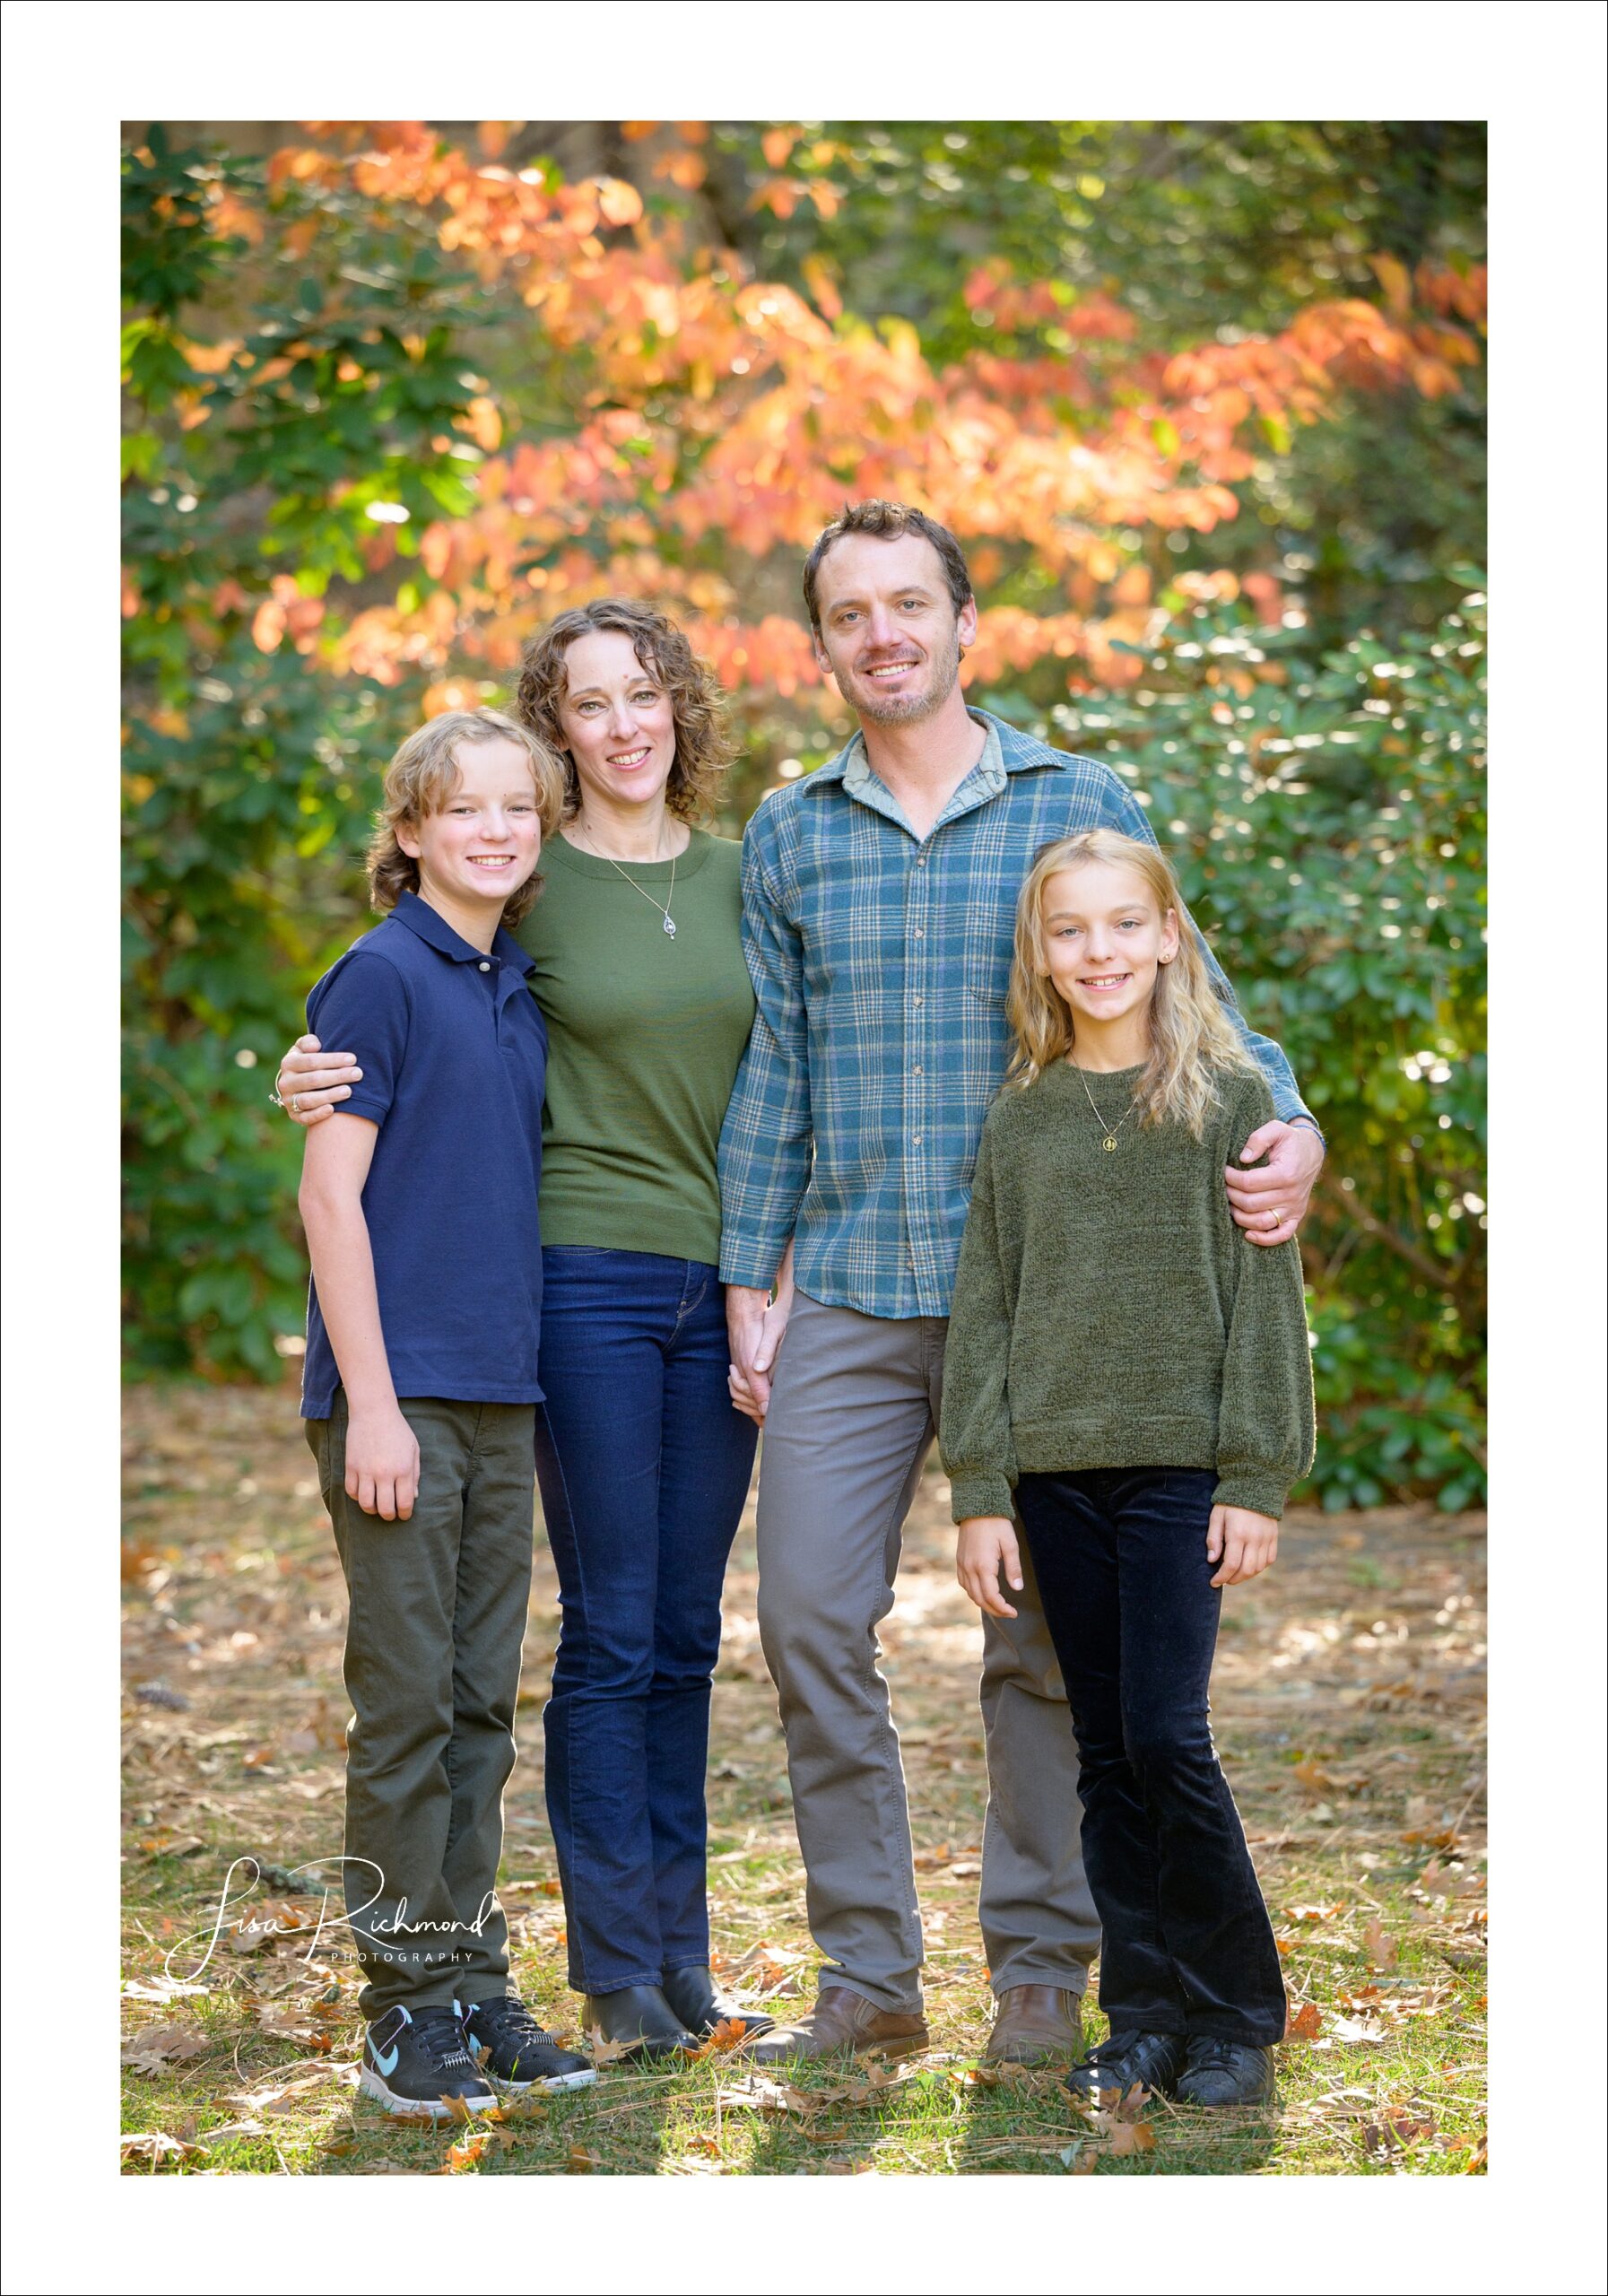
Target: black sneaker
[(415, 2061), (1151, 2059), (512, 2051), (1225, 2072)]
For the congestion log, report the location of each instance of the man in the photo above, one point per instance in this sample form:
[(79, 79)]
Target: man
[(879, 901)]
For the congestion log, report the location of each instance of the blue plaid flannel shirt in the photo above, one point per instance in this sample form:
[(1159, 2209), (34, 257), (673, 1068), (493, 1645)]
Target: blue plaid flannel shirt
[(881, 966)]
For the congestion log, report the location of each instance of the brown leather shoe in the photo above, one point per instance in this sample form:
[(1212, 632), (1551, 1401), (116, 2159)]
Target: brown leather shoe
[(1036, 2025), (842, 2023)]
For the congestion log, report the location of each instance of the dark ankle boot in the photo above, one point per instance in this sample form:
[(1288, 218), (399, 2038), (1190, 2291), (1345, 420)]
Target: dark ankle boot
[(693, 1994), (1218, 2073), (1151, 2059), (637, 2017)]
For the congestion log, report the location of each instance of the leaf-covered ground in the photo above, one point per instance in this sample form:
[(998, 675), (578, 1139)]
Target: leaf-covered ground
[(1348, 1701)]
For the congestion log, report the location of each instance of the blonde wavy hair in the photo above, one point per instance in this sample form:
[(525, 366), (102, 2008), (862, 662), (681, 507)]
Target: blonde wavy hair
[(704, 743), (423, 777), (1192, 1039)]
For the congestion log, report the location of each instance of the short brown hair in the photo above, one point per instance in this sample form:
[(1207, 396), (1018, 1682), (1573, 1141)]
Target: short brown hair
[(889, 520), (704, 746), (423, 775)]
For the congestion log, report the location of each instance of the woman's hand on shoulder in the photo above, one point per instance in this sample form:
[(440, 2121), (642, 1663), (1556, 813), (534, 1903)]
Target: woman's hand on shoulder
[(311, 1084), (986, 1545)]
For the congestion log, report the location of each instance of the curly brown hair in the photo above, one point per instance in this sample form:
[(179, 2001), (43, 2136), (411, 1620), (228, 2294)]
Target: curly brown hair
[(422, 776), (704, 745)]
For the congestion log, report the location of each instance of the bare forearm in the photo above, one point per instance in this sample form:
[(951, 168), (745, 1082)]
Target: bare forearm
[(343, 1259)]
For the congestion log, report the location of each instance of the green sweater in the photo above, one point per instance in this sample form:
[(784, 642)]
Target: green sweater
[(1108, 1313), (644, 1036)]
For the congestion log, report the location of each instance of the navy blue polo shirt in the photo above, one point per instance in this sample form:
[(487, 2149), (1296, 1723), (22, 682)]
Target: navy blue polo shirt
[(454, 1055)]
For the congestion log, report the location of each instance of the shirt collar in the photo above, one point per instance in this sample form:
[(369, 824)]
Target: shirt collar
[(1005, 751), (430, 926)]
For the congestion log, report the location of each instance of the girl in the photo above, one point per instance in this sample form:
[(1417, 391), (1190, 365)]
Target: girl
[(1131, 1375)]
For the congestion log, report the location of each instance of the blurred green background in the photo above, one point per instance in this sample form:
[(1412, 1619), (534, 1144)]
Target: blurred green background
[(1203, 402)]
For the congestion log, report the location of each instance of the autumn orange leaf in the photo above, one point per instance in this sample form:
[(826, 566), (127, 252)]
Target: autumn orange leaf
[(1130, 2138)]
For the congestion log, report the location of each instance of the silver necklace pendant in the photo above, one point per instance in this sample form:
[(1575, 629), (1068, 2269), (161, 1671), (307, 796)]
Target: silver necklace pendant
[(669, 925)]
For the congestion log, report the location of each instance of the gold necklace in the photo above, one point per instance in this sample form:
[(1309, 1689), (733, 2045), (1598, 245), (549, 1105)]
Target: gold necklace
[(1109, 1131), (664, 908)]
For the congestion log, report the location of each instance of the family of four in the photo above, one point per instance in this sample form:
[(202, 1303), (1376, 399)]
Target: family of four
[(926, 1112)]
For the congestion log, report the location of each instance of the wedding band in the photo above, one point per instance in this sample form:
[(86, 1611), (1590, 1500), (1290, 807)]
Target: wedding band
[(295, 1105), (1273, 1218)]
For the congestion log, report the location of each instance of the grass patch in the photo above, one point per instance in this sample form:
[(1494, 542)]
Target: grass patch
[(1348, 1701)]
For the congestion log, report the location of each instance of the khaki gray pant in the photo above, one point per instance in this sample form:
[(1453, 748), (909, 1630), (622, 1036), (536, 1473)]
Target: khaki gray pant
[(436, 1616), (854, 1409)]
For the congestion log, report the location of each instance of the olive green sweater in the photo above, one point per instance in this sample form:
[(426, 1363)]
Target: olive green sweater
[(1108, 1313), (644, 1036)]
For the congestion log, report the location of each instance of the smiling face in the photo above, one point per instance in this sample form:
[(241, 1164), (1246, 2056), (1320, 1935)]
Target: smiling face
[(1104, 939), (486, 838), (889, 634), (618, 721)]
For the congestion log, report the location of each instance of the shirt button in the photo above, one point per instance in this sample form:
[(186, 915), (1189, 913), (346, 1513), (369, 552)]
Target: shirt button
[(915, 1140), (916, 1070), (920, 933), (921, 1000), (485, 967)]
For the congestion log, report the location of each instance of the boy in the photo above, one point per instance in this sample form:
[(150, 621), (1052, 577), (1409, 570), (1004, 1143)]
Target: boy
[(419, 1394)]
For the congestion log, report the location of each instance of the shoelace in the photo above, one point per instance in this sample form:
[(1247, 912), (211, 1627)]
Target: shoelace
[(508, 2019), (1216, 2054), (441, 2039), (1110, 2052)]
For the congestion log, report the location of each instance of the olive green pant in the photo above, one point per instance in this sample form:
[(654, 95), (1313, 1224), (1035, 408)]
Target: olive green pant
[(436, 1616)]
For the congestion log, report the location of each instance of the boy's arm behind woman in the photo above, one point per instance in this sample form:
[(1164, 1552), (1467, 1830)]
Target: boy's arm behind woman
[(363, 1002)]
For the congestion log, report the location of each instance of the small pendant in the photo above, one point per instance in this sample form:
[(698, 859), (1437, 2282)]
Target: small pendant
[(670, 928), (1109, 1143)]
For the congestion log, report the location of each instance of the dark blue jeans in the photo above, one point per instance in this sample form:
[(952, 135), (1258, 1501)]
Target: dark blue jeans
[(644, 1466), (1120, 1558)]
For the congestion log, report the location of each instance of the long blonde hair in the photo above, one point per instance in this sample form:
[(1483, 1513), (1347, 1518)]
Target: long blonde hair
[(1191, 1036)]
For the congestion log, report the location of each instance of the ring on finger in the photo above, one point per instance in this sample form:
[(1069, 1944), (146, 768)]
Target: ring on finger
[(295, 1105)]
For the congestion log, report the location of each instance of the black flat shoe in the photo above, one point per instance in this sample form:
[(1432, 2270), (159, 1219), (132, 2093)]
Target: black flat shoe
[(1151, 2059), (694, 1998), (638, 2018), (1225, 2072)]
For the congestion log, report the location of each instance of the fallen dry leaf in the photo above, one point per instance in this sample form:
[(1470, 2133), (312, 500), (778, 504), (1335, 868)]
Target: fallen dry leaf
[(1130, 2136), (760, 2095), (1380, 1947), (605, 2052), (580, 2160), (164, 1988), (163, 2045), (1359, 2033), (156, 2145), (1303, 2024), (466, 2155)]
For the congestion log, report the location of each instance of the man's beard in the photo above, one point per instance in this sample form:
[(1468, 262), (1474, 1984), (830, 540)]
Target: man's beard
[(911, 709)]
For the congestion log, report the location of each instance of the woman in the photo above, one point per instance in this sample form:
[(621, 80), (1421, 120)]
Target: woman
[(643, 1461)]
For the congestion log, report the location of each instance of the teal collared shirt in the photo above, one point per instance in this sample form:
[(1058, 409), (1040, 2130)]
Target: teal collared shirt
[(880, 963)]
